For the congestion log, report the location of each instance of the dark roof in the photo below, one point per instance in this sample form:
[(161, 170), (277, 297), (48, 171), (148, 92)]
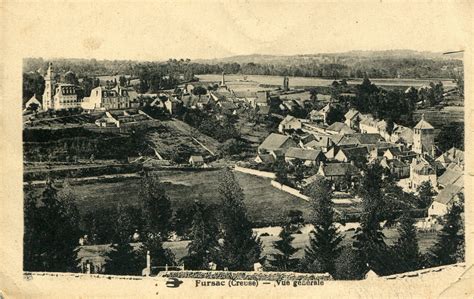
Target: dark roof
[(339, 169), (266, 158), (355, 153)]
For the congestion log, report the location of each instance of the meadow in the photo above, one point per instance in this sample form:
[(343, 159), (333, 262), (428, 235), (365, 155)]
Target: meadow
[(265, 204), (312, 81)]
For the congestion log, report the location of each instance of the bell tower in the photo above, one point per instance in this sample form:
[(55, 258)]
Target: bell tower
[(49, 84), (423, 137)]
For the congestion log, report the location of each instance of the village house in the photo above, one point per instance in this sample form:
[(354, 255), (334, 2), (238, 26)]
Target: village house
[(452, 175), (352, 118), (264, 159), (445, 198), (125, 118), (33, 104), (401, 134), (320, 115), (421, 170), (333, 171), (355, 154), (357, 139), (397, 168), (339, 128), (276, 144), (289, 123), (309, 157), (322, 142), (196, 161), (173, 104), (106, 99)]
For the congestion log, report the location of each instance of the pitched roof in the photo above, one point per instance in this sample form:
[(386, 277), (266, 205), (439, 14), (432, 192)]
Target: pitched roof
[(360, 138), (351, 114), (450, 176), (339, 169), (355, 153), (274, 141), (446, 195), (196, 158), (322, 142), (339, 127), (423, 124), (288, 119), (266, 158), (302, 154)]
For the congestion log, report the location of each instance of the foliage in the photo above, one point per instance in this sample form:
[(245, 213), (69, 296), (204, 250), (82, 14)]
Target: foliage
[(51, 231), (283, 261), (156, 205), (324, 239), (204, 247), (122, 258), (232, 147), (425, 194), (451, 135), (406, 247), (450, 239), (335, 114), (346, 266), (241, 247), (369, 241), (280, 170), (182, 221)]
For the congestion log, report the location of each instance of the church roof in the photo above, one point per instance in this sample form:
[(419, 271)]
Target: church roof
[(423, 124)]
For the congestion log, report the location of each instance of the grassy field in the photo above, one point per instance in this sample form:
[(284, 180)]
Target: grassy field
[(307, 81), (264, 202)]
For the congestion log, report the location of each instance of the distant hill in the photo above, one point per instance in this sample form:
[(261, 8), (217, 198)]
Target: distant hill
[(331, 57)]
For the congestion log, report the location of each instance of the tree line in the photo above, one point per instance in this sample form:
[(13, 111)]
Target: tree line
[(225, 236)]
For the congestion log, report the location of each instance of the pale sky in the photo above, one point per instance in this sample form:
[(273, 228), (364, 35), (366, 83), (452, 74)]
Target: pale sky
[(213, 29)]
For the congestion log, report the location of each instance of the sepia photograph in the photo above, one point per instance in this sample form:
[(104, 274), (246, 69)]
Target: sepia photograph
[(226, 150)]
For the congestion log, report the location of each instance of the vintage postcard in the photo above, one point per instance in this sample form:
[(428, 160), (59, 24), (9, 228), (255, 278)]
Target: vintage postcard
[(236, 149)]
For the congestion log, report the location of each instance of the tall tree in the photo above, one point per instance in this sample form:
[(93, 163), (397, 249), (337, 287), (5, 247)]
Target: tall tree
[(156, 205), (324, 239), (241, 248), (283, 260), (425, 194), (406, 247), (204, 247), (122, 258), (51, 235), (451, 236), (369, 241), (281, 172)]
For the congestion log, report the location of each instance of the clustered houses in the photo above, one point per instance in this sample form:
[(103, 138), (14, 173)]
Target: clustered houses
[(338, 150)]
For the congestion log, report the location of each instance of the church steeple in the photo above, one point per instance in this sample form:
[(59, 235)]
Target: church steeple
[(49, 85)]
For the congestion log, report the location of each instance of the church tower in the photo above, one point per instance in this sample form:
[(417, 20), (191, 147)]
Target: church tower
[(49, 85), (423, 137)]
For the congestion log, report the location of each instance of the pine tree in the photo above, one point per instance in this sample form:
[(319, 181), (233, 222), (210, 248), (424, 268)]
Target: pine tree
[(406, 247), (241, 247), (324, 239), (156, 205), (122, 258), (204, 246), (159, 255), (369, 241), (283, 260), (280, 171), (450, 239), (51, 236)]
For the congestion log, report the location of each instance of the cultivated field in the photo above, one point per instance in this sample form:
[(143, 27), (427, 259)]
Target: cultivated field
[(307, 81), (265, 204)]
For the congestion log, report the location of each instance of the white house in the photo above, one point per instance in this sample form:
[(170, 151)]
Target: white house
[(444, 200), (288, 123)]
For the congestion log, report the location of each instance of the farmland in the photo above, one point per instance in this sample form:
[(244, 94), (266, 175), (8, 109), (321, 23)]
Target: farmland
[(312, 81), (265, 203)]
